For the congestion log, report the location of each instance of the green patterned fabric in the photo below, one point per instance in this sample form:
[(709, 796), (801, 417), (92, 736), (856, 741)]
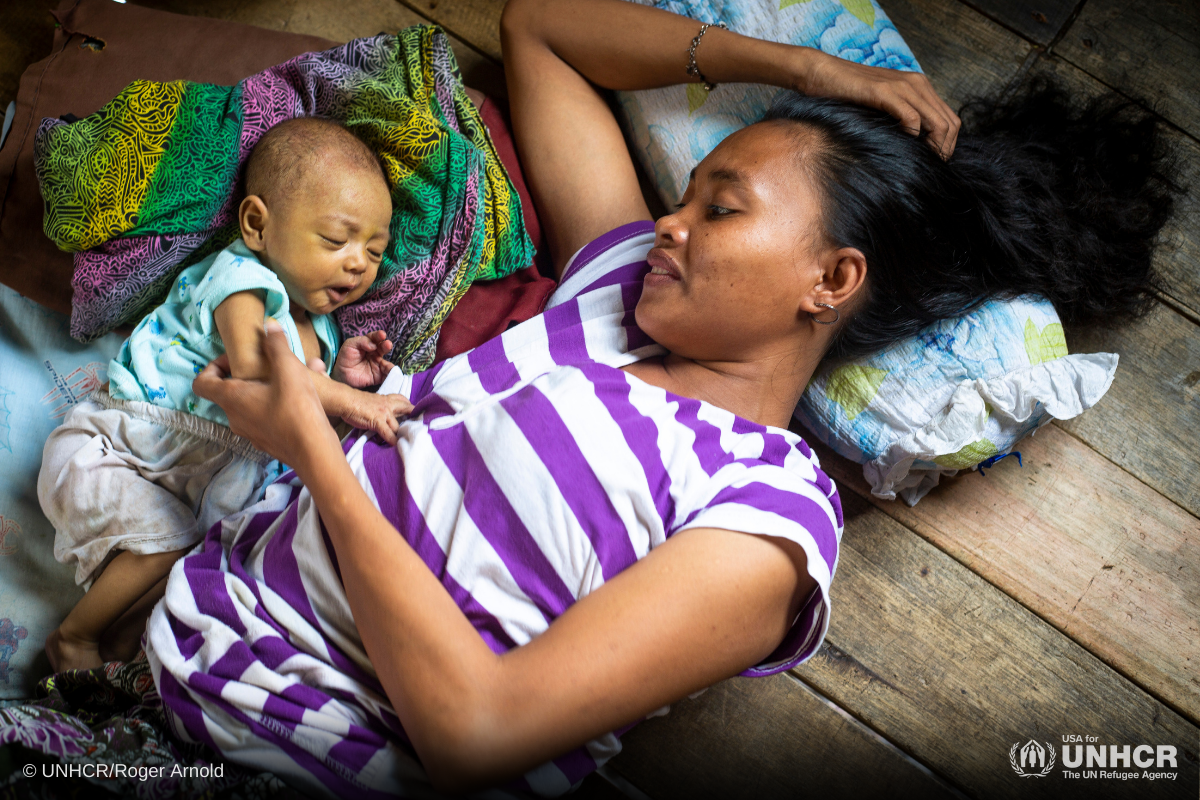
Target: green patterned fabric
[(149, 184)]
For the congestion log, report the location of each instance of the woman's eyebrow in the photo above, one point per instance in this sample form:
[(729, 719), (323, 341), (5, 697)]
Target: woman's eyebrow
[(728, 176), (724, 175)]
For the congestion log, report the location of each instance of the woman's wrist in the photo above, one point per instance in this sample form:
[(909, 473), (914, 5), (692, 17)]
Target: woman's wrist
[(317, 446), (799, 66), (733, 58)]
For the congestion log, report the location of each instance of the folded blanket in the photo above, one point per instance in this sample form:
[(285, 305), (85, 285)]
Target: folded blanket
[(150, 183)]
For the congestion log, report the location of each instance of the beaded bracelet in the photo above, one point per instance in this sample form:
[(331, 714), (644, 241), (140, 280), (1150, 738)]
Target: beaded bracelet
[(692, 69)]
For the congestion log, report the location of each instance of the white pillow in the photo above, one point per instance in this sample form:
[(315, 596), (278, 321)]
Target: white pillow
[(964, 391)]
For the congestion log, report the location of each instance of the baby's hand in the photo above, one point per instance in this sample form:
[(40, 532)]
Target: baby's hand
[(378, 413), (362, 360)]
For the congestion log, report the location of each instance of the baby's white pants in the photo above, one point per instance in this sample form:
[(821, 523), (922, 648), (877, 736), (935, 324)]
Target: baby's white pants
[(128, 475)]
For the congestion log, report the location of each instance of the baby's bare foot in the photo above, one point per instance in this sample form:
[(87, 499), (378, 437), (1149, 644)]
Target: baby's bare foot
[(68, 653)]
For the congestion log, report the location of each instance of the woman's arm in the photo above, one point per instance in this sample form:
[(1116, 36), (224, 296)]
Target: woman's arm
[(699, 608), (574, 158)]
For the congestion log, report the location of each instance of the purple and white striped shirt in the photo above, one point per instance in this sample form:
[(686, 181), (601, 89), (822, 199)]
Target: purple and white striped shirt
[(531, 470)]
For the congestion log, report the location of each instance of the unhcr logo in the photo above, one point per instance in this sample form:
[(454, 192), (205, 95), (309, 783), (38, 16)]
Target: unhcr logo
[(1035, 760)]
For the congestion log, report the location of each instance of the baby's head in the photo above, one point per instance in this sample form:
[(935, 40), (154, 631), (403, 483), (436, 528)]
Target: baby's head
[(317, 211)]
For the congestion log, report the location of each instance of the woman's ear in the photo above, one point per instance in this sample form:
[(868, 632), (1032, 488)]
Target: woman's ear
[(252, 217), (843, 274)]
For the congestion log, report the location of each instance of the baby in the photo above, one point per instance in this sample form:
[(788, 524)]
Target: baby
[(138, 472)]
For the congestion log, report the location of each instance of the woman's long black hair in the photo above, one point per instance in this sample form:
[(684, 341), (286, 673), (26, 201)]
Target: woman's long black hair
[(1038, 198)]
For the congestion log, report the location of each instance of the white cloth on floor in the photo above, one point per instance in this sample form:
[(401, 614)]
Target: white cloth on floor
[(128, 475)]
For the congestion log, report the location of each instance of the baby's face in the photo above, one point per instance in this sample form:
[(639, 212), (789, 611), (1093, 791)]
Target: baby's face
[(326, 241)]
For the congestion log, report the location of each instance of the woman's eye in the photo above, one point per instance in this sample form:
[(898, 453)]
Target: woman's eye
[(718, 211)]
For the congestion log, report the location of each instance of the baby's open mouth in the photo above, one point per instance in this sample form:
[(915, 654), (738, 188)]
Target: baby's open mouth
[(339, 294)]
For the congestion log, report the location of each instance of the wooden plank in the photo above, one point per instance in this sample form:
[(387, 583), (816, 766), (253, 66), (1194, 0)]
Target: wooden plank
[(963, 53), (594, 787), (474, 21), (341, 22), (1148, 421), (1150, 50), (763, 738), (1036, 20), (1077, 540), (1178, 257), (956, 672)]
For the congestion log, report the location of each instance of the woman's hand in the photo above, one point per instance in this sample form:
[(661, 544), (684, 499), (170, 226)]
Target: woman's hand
[(280, 415), (361, 362), (907, 96)]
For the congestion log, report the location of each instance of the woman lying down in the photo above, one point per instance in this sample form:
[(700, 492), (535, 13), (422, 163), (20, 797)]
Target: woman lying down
[(602, 511)]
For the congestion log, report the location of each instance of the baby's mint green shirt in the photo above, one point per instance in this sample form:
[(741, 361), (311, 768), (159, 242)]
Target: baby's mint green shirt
[(170, 347)]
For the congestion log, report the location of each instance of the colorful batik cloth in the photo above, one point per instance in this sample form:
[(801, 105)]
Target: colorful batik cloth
[(150, 183)]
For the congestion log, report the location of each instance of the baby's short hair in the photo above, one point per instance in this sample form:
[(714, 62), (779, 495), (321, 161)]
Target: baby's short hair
[(281, 158)]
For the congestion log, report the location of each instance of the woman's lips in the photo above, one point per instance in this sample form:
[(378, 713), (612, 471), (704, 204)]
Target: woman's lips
[(663, 269)]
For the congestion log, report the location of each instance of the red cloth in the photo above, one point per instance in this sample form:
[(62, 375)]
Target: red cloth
[(491, 307)]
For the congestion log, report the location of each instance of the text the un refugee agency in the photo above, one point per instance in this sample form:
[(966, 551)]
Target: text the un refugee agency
[(1086, 757)]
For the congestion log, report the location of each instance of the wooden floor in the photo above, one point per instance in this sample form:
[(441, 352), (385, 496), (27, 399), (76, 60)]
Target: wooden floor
[(1059, 598)]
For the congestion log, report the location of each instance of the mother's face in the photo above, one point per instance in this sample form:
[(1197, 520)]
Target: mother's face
[(735, 270)]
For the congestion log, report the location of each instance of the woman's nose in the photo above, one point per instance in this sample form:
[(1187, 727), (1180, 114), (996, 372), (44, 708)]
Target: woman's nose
[(670, 230)]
